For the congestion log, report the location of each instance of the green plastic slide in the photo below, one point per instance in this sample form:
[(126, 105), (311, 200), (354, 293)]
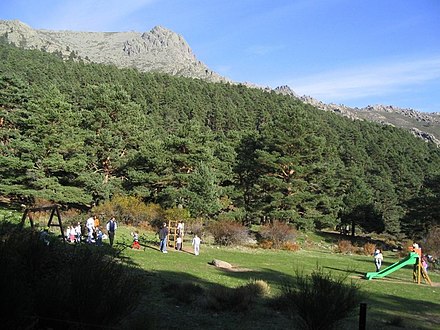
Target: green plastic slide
[(411, 259)]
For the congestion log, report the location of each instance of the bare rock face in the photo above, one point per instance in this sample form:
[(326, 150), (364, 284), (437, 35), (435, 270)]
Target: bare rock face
[(159, 50)]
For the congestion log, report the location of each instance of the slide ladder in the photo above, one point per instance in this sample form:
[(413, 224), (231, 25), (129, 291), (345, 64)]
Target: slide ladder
[(419, 272)]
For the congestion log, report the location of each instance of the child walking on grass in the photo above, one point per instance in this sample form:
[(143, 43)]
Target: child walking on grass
[(196, 243), (378, 258)]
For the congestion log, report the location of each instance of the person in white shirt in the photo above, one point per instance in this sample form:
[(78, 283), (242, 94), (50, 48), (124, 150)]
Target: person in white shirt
[(179, 243), (378, 258), (196, 243), (90, 224), (78, 233)]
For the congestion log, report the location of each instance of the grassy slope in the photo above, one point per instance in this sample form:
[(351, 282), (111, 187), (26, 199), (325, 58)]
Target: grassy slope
[(392, 299)]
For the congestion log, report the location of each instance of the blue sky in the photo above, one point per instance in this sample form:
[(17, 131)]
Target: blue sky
[(353, 52)]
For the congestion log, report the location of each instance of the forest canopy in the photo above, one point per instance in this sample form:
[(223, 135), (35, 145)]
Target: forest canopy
[(78, 134)]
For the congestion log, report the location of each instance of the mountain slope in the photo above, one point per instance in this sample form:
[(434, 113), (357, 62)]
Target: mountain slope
[(162, 50), (423, 125)]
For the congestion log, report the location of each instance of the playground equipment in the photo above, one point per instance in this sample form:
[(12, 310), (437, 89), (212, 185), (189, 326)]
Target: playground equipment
[(28, 213), (414, 258), (173, 232)]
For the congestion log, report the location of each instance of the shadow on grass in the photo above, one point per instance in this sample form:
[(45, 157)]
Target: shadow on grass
[(158, 305), (409, 312), (346, 270)]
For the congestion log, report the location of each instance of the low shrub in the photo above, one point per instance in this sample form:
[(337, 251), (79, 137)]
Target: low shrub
[(279, 233), (346, 247), (228, 232), (369, 249), (240, 299), (289, 246), (320, 301), (183, 292), (195, 227), (266, 244), (260, 288), (130, 210)]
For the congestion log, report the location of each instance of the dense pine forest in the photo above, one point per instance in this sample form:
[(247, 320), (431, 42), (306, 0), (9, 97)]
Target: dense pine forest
[(78, 134)]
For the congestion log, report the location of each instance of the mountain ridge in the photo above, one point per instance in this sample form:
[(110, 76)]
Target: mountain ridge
[(159, 49), (162, 50)]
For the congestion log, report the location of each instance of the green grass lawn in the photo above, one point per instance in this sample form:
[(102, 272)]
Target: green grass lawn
[(392, 301)]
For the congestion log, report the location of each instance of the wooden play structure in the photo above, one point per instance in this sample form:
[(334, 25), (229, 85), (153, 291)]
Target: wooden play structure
[(419, 271), (173, 232), (414, 258), (54, 211)]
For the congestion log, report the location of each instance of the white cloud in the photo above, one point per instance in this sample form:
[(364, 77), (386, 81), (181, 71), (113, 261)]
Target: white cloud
[(371, 80)]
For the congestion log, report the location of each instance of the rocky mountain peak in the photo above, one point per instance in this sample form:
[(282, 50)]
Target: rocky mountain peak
[(159, 50), (162, 50)]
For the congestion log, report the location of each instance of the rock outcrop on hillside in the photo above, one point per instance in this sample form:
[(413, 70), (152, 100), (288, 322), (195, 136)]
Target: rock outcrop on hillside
[(423, 125), (162, 50), (159, 50)]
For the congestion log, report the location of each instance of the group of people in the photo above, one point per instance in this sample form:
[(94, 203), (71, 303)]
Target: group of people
[(74, 233), (180, 231), (95, 234)]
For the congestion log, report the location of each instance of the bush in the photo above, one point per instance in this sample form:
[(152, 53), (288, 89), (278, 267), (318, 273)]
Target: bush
[(289, 246), (228, 232), (56, 284), (319, 301), (346, 247), (183, 292), (259, 288), (432, 244), (195, 227), (240, 299), (279, 233), (369, 249), (266, 244), (128, 209)]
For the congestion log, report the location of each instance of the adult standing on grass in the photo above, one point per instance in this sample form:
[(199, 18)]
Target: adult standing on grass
[(111, 229), (196, 243), (163, 234), (378, 258), (90, 224), (78, 233)]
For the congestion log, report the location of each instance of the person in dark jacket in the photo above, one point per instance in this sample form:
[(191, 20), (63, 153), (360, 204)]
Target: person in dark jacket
[(111, 229), (163, 235)]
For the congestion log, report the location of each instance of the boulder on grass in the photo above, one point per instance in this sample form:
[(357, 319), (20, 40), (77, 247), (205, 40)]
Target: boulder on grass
[(221, 264)]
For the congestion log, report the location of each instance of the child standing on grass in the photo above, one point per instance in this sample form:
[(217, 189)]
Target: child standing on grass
[(135, 244), (196, 243), (179, 243), (378, 258), (72, 234), (98, 236), (78, 233)]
